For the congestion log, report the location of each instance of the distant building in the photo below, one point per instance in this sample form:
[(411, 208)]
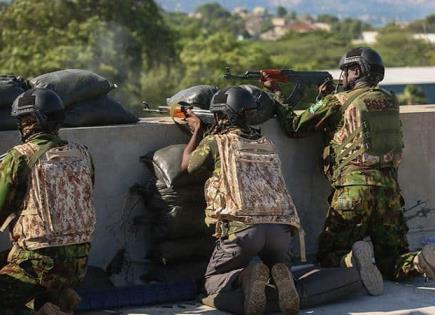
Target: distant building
[(260, 11), (254, 21), (279, 22), (366, 38), (428, 37), (282, 26), (322, 26), (240, 11), (370, 38), (253, 25), (305, 27)]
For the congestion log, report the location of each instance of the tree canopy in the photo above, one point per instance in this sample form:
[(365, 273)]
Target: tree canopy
[(151, 54)]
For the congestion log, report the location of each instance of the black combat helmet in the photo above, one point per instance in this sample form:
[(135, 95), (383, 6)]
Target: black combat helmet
[(44, 104), (233, 102), (370, 62)]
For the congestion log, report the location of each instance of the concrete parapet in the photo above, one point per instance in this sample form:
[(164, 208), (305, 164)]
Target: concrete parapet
[(116, 151)]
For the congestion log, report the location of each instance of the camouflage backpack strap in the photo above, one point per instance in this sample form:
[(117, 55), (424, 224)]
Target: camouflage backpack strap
[(42, 150)]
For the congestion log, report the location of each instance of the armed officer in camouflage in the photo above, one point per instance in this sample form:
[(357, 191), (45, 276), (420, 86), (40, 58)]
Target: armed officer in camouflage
[(46, 203), (248, 201), (363, 147)]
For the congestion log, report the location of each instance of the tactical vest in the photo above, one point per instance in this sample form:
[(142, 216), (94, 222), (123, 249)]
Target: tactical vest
[(251, 188), (58, 207), (371, 135)]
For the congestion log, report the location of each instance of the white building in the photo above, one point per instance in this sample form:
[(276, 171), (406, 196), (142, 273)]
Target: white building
[(370, 38)]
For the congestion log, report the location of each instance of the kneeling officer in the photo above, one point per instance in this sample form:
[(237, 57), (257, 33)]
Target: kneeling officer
[(46, 202), (247, 199)]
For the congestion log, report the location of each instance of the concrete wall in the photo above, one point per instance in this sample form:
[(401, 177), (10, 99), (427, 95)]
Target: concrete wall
[(116, 151)]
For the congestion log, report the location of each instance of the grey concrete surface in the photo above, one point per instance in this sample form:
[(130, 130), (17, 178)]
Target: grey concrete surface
[(116, 151), (416, 298)]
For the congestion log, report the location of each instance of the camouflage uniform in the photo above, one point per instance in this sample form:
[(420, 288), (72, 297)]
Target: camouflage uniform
[(241, 240), (366, 201), (207, 155), (30, 275)]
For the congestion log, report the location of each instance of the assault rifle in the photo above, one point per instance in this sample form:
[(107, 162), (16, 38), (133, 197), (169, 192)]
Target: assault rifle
[(180, 111), (300, 78), (282, 75)]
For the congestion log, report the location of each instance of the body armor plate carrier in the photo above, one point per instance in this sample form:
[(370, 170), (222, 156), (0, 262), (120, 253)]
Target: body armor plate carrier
[(371, 136), (58, 208), (251, 187)]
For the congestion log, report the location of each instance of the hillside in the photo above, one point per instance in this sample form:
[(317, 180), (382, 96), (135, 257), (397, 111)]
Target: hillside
[(374, 11)]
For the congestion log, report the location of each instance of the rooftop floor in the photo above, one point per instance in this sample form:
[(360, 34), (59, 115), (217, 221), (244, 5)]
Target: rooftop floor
[(416, 298)]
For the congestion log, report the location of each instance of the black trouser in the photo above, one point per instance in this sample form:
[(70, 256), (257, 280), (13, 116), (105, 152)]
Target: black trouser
[(268, 242)]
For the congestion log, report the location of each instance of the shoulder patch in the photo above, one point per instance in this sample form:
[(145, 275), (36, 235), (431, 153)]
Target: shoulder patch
[(313, 108)]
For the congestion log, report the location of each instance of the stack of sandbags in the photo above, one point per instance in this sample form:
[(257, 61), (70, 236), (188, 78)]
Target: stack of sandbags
[(84, 94), (10, 88), (175, 204), (198, 96)]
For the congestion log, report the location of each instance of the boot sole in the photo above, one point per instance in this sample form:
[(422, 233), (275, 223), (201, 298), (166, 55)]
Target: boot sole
[(370, 275), (255, 299), (288, 296), (427, 260)]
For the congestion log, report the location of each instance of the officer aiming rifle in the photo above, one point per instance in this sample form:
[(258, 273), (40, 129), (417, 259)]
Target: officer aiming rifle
[(300, 78)]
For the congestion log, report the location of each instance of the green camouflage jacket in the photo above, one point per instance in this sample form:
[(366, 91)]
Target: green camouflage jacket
[(326, 117), (14, 172)]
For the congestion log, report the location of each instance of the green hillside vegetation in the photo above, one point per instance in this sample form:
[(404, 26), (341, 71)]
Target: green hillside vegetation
[(152, 54)]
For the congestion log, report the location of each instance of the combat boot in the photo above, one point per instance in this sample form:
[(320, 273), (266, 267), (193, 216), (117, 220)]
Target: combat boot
[(362, 258), (68, 300), (288, 296), (253, 281), (51, 309), (425, 261)]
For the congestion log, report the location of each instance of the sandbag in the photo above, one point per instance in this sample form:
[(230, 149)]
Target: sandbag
[(10, 88), (7, 122), (198, 95), (315, 286), (74, 85), (184, 249), (266, 105), (182, 222), (100, 111), (166, 165), (171, 213)]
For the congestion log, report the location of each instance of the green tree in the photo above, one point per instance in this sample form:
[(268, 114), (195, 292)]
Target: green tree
[(281, 11), (205, 59), (399, 48), (412, 95), (327, 18), (119, 39), (215, 18), (308, 51), (426, 25)]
